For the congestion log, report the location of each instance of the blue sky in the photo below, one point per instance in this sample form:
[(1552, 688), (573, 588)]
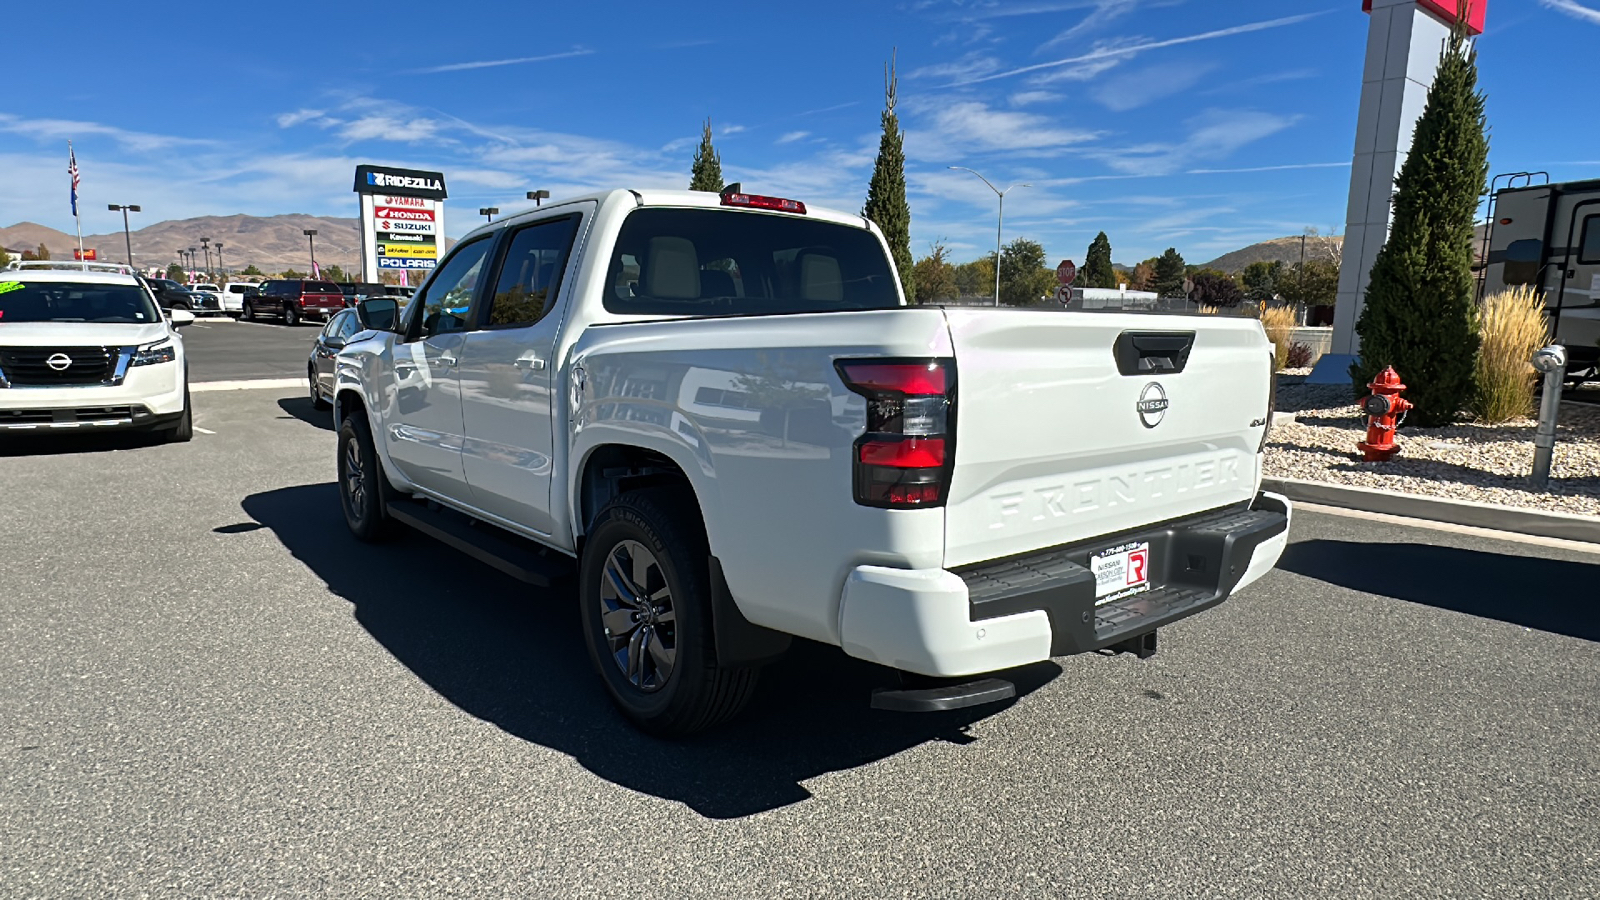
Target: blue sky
[(1197, 124)]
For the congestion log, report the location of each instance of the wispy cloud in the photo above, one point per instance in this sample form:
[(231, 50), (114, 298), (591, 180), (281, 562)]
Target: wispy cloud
[(733, 129), (946, 129), (65, 129), (1574, 10), (389, 128), (1029, 98), (491, 63), (976, 12), (1113, 52), (1135, 89), (1259, 80), (1214, 134), (1283, 168), (1104, 13), (793, 136), (827, 109), (970, 68)]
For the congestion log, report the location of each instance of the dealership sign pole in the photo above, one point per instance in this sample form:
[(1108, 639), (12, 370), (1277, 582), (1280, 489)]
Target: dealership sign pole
[(402, 221)]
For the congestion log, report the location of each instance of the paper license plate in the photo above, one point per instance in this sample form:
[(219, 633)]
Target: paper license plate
[(1120, 572)]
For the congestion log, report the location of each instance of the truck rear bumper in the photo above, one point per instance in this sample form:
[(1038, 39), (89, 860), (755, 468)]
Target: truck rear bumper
[(1012, 612)]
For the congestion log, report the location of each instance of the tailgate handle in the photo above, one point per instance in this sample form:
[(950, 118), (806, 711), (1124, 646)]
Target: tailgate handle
[(1153, 352)]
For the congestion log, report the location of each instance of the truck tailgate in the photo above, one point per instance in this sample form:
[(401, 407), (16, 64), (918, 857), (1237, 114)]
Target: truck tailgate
[(1057, 442)]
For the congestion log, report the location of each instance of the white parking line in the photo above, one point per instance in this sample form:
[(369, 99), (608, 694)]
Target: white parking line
[(254, 384), (203, 430), (1535, 540)]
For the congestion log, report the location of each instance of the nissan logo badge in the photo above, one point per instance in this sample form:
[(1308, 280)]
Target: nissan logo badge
[(59, 362), (1152, 405)]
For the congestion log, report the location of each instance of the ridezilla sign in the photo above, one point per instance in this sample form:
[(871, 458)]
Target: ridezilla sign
[(402, 221)]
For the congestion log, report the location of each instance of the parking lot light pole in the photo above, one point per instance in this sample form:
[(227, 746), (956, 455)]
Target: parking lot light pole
[(188, 274), (489, 212), (127, 237), (311, 240), (221, 271), (536, 196), (205, 247), (999, 223)]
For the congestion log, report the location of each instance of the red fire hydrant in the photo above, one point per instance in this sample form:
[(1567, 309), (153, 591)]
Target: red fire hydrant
[(1385, 409)]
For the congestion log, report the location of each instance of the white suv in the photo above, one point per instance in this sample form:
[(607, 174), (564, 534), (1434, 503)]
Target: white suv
[(89, 350)]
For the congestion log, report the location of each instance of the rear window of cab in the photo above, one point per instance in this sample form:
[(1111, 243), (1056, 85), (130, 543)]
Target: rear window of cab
[(712, 262)]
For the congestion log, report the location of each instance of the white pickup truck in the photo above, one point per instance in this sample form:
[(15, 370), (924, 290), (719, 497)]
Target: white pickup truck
[(722, 410)]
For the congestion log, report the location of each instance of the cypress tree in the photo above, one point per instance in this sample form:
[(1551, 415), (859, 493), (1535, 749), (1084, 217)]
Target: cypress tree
[(1097, 271), (886, 193), (1419, 315), (706, 175)]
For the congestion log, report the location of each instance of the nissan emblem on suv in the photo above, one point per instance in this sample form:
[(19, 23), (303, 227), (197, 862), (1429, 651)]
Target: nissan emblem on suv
[(59, 362), (1152, 405)]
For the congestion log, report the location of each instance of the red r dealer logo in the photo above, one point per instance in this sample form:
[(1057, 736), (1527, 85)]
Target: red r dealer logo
[(1138, 562)]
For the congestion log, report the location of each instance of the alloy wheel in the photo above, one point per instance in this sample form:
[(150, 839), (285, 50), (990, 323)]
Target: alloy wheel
[(636, 611), (355, 481)]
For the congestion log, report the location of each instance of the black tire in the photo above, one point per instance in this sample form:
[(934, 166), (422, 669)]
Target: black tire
[(317, 400), (291, 315), (183, 431), (694, 693), (365, 504), (181, 304), (249, 314)]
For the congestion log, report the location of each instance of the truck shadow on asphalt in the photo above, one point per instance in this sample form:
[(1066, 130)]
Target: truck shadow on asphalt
[(301, 408), (512, 655), (1547, 594)]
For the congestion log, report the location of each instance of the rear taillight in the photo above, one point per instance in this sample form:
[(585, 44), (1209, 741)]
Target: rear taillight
[(904, 459)]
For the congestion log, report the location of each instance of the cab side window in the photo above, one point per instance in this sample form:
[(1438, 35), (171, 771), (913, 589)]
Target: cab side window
[(530, 277), (1589, 250), (446, 301)]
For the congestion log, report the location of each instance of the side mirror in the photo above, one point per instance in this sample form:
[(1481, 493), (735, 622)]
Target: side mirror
[(180, 317), (378, 314)]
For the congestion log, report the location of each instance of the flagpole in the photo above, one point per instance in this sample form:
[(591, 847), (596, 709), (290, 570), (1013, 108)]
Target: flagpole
[(76, 219)]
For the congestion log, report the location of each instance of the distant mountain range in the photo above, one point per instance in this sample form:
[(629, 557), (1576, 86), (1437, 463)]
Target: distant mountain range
[(1285, 250), (271, 243)]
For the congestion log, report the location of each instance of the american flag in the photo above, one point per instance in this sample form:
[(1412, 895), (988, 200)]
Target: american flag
[(72, 169)]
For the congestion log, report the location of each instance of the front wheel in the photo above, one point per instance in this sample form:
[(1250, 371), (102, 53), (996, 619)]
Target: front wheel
[(645, 595), (317, 400), (182, 431), (364, 490), (291, 315)]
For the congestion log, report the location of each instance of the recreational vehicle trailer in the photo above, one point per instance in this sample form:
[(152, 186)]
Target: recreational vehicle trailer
[(1547, 236)]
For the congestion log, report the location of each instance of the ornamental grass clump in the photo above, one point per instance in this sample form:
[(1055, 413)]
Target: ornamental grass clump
[(1278, 322), (1511, 326)]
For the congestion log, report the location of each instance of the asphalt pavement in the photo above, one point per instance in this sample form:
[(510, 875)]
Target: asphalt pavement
[(225, 350), (210, 689)]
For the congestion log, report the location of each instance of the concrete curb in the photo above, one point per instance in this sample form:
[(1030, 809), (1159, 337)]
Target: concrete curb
[(1563, 526)]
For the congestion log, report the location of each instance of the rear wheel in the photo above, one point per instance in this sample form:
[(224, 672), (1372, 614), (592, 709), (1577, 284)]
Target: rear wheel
[(317, 401), (291, 315), (364, 490), (645, 595)]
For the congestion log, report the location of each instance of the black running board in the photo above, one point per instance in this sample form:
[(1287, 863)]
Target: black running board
[(945, 697), (522, 560)]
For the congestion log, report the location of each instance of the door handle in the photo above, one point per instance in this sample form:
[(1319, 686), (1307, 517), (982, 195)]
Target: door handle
[(530, 362), (448, 360)]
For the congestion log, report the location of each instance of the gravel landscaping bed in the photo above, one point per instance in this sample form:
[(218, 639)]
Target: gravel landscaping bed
[(1483, 463)]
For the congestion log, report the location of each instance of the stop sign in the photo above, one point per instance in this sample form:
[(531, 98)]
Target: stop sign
[(1066, 272)]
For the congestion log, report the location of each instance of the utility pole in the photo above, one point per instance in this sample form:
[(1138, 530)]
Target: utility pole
[(998, 224), (127, 237), (311, 239)]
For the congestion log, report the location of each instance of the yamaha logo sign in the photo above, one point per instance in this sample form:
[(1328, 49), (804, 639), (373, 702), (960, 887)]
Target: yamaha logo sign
[(1152, 405)]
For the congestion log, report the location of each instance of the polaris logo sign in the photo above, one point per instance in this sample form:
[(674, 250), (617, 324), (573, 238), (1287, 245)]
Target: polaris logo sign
[(402, 182)]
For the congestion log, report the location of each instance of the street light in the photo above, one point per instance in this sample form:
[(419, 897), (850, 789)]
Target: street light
[(126, 236), (220, 270), (489, 212), (189, 273), (205, 247), (311, 239), (536, 196), (999, 222)]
